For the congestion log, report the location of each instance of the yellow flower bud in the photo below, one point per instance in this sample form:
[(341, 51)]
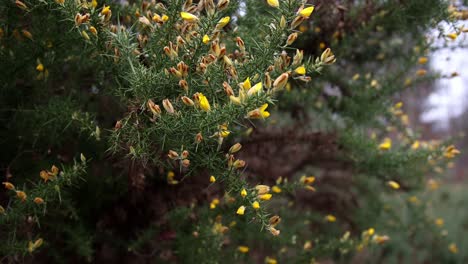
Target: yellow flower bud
[(40, 67), (203, 101), (422, 60), (243, 249), (276, 189), (212, 179), (188, 17), (330, 218), (206, 39), (273, 3), (386, 144), (241, 210), (256, 89), (258, 113), (301, 70), (222, 22), (393, 184), (265, 197), (235, 148), (306, 12), (256, 205), (93, 30), (106, 10), (243, 193)]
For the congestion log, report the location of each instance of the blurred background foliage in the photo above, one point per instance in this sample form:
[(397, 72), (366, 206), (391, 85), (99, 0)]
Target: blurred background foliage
[(112, 197)]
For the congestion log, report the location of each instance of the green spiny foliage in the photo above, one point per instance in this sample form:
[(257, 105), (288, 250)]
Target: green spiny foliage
[(158, 93)]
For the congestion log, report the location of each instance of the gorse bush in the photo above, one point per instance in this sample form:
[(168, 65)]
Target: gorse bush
[(189, 131)]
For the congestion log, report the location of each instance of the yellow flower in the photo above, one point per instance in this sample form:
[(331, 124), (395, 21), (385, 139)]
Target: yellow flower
[(453, 248), (259, 113), (306, 12), (243, 193), (269, 260), (224, 133), (165, 18), (188, 17), (241, 210), (421, 72), (265, 197), (394, 185), (212, 179), (40, 67), (246, 84), (256, 89), (21, 195), (204, 104), (214, 203), (413, 199), (93, 30), (243, 249), (33, 245), (94, 3), (8, 185), (330, 218), (439, 222), (327, 57), (38, 200), (223, 22), (105, 10), (433, 184), (307, 245), (206, 39), (307, 180), (256, 205), (386, 144), (452, 36), (422, 60), (415, 145), (301, 70), (273, 3), (170, 178), (451, 152), (276, 189)]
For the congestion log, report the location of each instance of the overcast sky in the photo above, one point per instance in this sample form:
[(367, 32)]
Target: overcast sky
[(450, 98)]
